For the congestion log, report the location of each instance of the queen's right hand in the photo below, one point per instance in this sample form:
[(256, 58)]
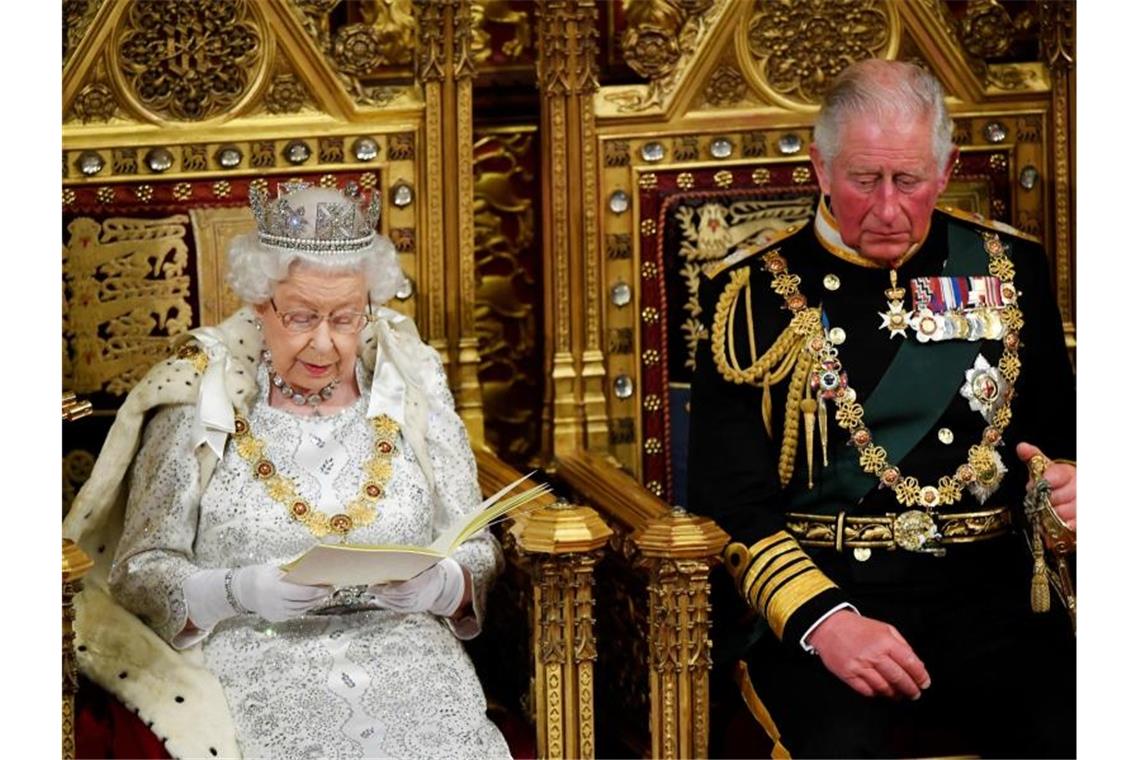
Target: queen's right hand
[(216, 594)]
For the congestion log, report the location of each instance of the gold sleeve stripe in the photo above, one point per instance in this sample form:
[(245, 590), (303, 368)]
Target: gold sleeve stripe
[(759, 565), (759, 596), (775, 566), (777, 581), (763, 550), (792, 596), (779, 577), (768, 541)]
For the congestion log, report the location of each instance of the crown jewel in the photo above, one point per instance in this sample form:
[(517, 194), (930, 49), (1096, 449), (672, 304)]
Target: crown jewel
[(348, 224)]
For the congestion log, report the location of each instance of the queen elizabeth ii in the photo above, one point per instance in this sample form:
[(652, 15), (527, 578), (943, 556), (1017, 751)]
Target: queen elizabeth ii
[(312, 414)]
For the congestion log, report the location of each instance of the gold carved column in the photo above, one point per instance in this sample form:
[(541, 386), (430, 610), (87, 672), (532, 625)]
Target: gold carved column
[(1058, 37), (75, 566), (574, 410), (563, 543), (446, 70), (678, 551)]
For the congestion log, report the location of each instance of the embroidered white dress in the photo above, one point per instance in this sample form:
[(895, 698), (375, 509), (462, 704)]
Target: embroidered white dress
[(374, 683)]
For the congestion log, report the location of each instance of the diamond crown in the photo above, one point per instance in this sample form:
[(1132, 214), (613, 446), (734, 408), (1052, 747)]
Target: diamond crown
[(343, 225)]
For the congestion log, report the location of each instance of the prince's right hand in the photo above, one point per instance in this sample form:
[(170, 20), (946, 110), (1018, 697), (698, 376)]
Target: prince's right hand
[(870, 656)]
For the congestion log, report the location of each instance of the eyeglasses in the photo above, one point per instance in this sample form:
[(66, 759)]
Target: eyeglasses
[(305, 320)]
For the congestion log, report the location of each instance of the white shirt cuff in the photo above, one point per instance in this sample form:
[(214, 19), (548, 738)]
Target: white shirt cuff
[(803, 639)]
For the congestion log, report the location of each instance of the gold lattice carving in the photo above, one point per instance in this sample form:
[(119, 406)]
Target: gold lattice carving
[(507, 296), (709, 231), (129, 291), (1057, 17), (190, 61), (798, 48), (77, 16), (77, 466), (429, 47), (659, 39), (381, 40), (680, 656), (485, 12), (95, 102), (726, 86), (286, 94), (987, 30)]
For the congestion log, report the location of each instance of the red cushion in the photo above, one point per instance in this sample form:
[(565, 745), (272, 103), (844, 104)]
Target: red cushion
[(104, 728)]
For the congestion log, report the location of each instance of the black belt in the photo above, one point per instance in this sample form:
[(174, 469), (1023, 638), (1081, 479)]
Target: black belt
[(914, 530)]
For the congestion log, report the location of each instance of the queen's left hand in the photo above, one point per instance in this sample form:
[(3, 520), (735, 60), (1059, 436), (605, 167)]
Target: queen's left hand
[(1062, 478), (440, 590)]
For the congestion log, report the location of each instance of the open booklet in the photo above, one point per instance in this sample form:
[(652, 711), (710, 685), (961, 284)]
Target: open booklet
[(364, 565)]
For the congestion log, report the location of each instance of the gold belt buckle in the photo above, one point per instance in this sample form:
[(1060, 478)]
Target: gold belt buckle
[(915, 531)]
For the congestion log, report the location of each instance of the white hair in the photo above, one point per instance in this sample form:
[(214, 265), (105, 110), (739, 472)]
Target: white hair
[(256, 268), (889, 91)]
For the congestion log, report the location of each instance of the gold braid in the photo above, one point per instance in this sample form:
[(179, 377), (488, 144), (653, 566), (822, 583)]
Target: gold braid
[(796, 389), (790, 342), (788, 355)]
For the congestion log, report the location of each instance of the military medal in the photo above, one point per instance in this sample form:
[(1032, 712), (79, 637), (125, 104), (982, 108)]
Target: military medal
[(927, 325), (895, 318), (958, 308)]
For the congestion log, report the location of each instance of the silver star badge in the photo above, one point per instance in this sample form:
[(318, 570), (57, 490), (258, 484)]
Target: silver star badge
[(984, 388)]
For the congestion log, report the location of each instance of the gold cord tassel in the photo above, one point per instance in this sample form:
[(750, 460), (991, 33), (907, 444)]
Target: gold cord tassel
[(766, 406), (822, 416), (808, 407), (1039, 586)]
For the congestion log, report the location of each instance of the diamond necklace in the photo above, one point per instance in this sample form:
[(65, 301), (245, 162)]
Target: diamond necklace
[(297, 397)]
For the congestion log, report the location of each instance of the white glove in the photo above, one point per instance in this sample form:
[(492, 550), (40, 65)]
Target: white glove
[(214, 595), (438, 590)]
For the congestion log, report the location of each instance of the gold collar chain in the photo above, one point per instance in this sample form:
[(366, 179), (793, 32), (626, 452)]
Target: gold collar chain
[(358, 513), (981, 465)]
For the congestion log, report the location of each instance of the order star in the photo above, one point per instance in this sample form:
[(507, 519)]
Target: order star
[(894, 318)]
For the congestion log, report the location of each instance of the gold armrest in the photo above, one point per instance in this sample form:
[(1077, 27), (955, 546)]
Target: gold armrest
[(604, 484), (677, 550)]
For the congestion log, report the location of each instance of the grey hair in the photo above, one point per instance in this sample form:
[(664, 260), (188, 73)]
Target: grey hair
[(256, 268), (888, 90)]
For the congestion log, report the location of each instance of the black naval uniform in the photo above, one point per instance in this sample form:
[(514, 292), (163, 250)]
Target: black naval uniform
[(1003, 678)]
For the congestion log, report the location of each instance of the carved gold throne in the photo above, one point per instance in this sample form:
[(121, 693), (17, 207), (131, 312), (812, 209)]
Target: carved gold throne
[(706, 144), (156, 179), (552, 254)]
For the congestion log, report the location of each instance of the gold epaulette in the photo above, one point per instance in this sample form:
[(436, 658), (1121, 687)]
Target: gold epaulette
[(776, 577), (990, 224), (748, 248)]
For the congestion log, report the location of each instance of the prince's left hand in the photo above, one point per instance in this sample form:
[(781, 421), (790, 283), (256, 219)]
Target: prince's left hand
[(1062, 478)]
